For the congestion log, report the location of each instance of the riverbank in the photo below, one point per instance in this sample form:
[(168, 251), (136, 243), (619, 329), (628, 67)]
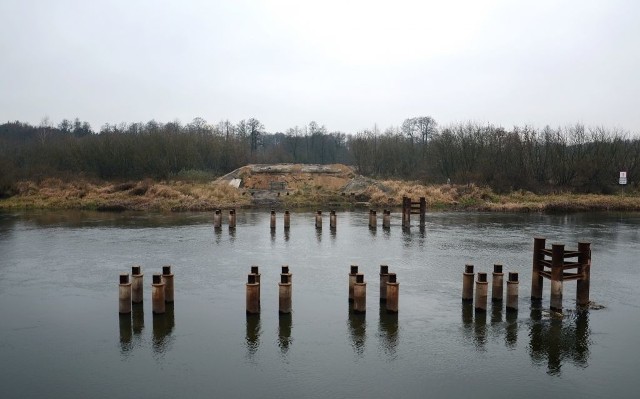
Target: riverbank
[(176, 196)]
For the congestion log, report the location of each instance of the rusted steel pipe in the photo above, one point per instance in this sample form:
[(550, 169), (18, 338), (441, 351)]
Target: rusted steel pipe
[(536, 277), (232, 219), (167, 279), (284, 291), (157, 295), (406, 212), (319, 219), (360, 294), (393, 293), (287, 220), (386, 219), (384, 279), (124, 294), (584, 259), (136, 284), (217, 219), (423, 211), (497, 284), (352, 280), (467, 284), (273, 220), (253, 294), (482, 286), (254, 270), (557, 261), (512, 292), (332, 220)]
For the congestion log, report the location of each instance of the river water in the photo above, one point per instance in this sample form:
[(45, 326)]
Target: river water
[(61, 334)]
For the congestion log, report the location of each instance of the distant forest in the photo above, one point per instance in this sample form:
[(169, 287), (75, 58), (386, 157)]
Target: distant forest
[(573, 159)]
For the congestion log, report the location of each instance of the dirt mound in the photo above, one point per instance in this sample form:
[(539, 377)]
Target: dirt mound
[(290, 177), (269, 184)]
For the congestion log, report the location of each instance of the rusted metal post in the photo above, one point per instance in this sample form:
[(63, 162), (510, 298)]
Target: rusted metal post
[(332, 220), (157, 294), (167, 279), (384, 279), (253, 294), (373, 220), (136, 284), (467, 284), (217, 219), (124, 294), (273, 220), (285, 270), (287, 220), (512, 292), (497, 284), (386, 219), (557, 261), (393, 292), (255, 270), (352, 280), (423, 211), (482, 286), (318, 219), (284, 290), (584, 259), (360, 294), (232, 219), (536, 277), (406, 212)]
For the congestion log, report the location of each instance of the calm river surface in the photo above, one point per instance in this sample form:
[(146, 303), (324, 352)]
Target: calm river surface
[(61, 335)]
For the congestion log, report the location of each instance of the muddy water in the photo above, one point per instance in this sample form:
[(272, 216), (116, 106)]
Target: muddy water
[(61, 335)]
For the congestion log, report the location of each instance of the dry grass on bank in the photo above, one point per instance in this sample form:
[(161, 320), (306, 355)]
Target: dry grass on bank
[(136, 195), (206, 196), (472, 197)]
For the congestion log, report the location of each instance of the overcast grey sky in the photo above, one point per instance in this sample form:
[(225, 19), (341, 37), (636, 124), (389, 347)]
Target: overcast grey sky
[(345, 64)]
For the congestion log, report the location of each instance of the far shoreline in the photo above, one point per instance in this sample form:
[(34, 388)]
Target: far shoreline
[(181, 196)]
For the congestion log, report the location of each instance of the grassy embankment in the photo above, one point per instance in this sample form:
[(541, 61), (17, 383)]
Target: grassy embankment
[(207, 196)]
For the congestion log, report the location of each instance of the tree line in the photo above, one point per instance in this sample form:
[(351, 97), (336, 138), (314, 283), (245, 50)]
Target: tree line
[(573, 158)]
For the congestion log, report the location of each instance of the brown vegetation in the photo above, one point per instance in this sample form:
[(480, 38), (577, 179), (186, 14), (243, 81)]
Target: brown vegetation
[(296, 186), (134, 195)]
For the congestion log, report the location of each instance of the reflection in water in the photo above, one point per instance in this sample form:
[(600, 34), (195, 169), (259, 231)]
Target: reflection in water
[(475, 329), (319, 234), (408, 238), (286, 235), (357, 331), (126, 333), (137, 314), (284, 332), (496, 313), (511, 331), (388, 330), (373, 231), (163, 325), (558, 339), (480, 330), (131, 328), (218, 235), (332, 233), (232, 234), (467, 319), (253, 334), (273, 236)]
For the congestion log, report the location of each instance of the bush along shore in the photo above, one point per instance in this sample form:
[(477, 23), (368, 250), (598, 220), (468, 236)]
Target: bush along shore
[(148, 195)]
